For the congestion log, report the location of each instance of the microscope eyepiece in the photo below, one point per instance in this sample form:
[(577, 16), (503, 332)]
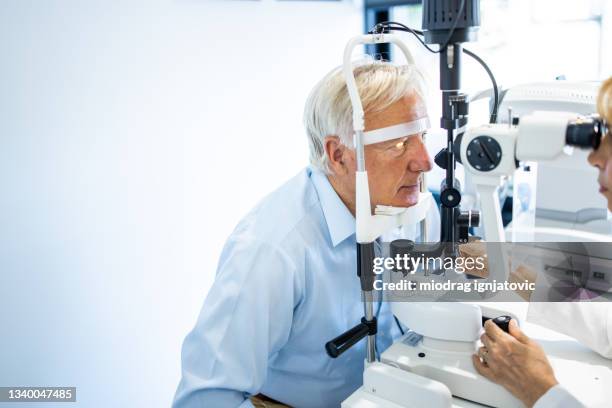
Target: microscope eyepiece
[(585, 132)]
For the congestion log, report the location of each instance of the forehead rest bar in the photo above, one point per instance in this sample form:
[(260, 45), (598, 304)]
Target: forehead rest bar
[(396, 131)]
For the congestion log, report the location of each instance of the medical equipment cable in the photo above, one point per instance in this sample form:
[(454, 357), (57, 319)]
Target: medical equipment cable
[(377, 313), (399, 326), (380, 27), (446, 42), (493, 117), (389, 25)]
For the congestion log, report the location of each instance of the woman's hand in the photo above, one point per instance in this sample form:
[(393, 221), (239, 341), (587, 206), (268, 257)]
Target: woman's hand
[(514, 361)]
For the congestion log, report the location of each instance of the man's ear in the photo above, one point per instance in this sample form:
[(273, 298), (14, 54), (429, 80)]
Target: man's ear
[(334, 149)]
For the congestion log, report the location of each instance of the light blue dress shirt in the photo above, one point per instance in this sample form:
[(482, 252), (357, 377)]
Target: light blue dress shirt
[(286, 284)]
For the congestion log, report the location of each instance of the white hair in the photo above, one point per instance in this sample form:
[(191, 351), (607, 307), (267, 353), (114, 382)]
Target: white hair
[(329, 112)]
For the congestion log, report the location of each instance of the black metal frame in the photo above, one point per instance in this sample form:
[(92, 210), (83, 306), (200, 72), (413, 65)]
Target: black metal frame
[(377, 11), (389, 3)]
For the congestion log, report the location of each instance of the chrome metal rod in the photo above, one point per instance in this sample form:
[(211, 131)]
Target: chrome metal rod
[(368, 309), (423, 223)]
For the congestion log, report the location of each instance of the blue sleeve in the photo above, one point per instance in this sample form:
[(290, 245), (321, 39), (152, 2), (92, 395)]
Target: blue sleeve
[(246, 317)]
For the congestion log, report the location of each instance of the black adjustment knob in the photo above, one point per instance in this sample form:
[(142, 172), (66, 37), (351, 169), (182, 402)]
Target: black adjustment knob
[(466, 220), (503, 322), (475, 219), (401, 247), (460, 102), (350, 337), (450, 197), (457, 147), (484, 153), (441, 159), (469, 218)]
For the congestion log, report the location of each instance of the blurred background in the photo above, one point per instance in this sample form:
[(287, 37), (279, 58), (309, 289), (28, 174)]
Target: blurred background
[(134, 136)]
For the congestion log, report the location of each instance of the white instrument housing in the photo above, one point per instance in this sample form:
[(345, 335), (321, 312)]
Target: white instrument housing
[(540, 136), (370, 226)]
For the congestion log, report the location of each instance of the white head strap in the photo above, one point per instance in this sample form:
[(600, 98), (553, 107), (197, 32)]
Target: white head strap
[(396, 131)]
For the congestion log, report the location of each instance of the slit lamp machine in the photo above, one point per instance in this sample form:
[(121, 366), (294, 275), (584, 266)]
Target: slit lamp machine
[(439, 367)]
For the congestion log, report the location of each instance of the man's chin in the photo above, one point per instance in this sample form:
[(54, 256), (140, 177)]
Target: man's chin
[(406, 198), (407, 202)]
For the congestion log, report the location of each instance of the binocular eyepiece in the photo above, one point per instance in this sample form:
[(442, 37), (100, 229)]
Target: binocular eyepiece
[(585, 132)]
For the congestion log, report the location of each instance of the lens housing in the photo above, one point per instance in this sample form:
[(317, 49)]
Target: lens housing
[(585, 132)]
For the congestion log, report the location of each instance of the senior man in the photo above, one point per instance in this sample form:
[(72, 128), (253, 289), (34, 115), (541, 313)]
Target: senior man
[(286, 280)]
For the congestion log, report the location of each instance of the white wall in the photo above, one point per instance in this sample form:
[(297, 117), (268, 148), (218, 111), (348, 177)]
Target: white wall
[(133, 137)]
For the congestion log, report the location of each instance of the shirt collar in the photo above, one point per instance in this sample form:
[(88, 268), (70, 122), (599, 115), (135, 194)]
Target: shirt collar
[(340, 221)]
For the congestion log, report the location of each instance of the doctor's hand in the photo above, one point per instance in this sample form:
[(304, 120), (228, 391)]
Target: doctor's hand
[(515, 362)]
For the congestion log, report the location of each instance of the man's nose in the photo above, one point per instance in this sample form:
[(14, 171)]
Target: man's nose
[(421, 160)]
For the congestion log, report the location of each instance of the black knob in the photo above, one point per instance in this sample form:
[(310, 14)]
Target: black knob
[(475, 218), (350, 337), (450, 197), (484, 153), (401, 247), (460, 102), (503, 322), (457, 147), (441, 159), (469, 218)]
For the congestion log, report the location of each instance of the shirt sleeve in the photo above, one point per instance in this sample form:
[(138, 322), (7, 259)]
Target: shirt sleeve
[(558, 397), (246, 317), (588, 322)]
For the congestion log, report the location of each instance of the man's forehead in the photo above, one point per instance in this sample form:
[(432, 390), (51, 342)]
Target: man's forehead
[(407, 109)]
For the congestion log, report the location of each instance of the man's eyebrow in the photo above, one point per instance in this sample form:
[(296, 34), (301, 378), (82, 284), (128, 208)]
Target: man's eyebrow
[(393, 142), (399, 139)]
